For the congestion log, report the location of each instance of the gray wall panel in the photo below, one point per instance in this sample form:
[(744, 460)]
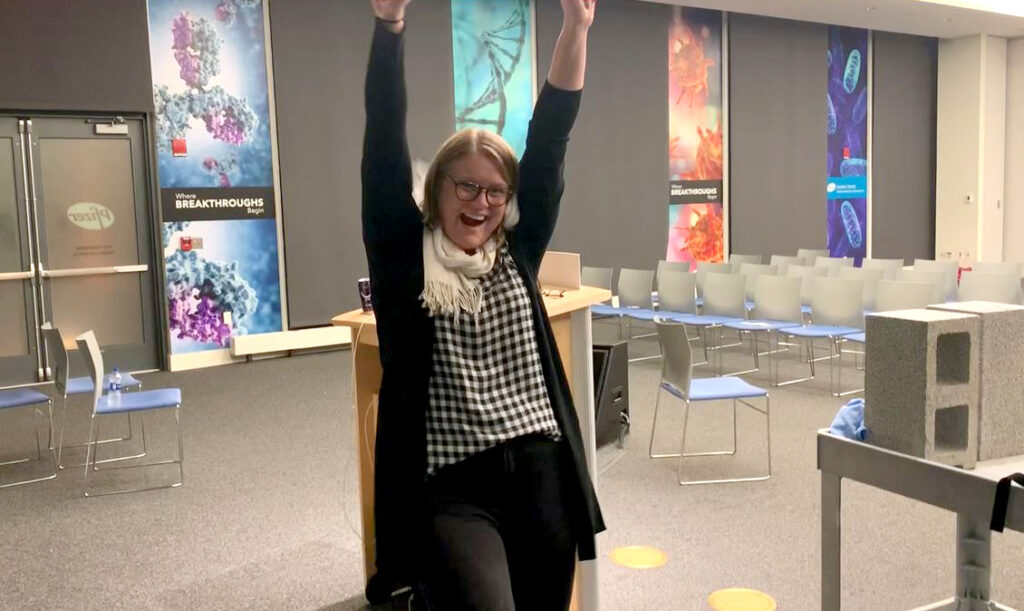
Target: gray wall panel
[(73, 55), (320, 53), (903, 163), (615, 209), (777, 130)]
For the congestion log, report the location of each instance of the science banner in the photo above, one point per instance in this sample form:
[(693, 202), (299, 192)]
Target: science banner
[(216, 171), (849, 102), (695, 213), (493, 56)]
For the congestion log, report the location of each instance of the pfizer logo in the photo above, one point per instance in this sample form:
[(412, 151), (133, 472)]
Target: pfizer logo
[(89, 215), (831, 187)]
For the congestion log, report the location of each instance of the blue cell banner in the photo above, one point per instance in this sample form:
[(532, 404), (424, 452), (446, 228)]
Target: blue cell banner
[(492, 52), (216, 171), (848, 105)]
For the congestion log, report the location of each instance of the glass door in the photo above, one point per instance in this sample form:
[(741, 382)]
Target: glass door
[(88, 189), (20, 360)]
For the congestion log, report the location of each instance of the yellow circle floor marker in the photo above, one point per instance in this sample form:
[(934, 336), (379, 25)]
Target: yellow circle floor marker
[(741, 599), (639, 557)]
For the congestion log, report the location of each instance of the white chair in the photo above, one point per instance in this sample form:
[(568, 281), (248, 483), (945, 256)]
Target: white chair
[(16, 398), (997, 267), (601, 277), (936, 278), (806, 273), (832, 264), (724, 301), (705, 268), (677, 379), (57, 355), (948, 268), (871, 278), (751, 272), (836, 311), (737, 261), (776, 306), (810, 255), (783, 262), (894, 295), (141, 401), (677, 294), (889, 266), (985, 286), (634, 298), (671, 266), (897, 295)]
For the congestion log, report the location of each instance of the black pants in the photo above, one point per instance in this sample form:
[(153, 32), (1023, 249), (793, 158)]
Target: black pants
[(501, 533)]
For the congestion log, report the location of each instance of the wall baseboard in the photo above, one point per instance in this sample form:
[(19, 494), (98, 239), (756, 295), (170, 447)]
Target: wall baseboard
[(285, 341)]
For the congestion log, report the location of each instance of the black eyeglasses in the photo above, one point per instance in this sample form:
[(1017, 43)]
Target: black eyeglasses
[(468, 191)]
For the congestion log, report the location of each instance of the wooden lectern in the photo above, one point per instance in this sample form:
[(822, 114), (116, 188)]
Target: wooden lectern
[(570, 322)]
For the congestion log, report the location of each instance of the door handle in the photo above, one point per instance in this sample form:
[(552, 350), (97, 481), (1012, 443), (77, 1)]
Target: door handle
[(5, 276), (93, 271)]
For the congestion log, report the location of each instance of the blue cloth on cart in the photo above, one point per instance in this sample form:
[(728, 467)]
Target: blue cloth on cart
[(849, 421)]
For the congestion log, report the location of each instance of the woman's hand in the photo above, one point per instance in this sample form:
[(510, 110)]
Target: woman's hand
[(578, 13), (390, 10)]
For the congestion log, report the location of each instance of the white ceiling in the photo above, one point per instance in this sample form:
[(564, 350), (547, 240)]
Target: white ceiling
[(908, 16)]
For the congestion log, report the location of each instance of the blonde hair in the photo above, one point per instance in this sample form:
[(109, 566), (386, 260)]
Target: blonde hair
[(465, 142)]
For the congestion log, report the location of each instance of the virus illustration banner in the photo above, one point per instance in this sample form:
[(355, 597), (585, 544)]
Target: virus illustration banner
[(696, 224), (216, 171), (848, 107), (492, 51)]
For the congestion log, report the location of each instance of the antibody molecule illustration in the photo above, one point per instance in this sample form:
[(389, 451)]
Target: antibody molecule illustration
[(199, 292), (227, 118)]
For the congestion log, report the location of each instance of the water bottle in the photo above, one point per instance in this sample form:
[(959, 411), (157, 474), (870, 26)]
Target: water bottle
[(114, 389)]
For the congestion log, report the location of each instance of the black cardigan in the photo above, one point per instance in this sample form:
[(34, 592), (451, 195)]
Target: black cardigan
[(393, 236)]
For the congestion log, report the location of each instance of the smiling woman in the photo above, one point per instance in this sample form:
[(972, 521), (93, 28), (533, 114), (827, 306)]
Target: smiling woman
[(482, 497)]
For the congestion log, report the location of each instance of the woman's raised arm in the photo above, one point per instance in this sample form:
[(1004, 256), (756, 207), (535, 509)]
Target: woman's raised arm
[(388, 208)]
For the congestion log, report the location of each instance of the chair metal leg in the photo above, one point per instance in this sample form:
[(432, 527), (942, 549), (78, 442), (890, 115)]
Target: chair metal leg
[(778, 383), (766, 412), (836, 381), (752, 335), (61, 445), (179, 461), (39, 451)]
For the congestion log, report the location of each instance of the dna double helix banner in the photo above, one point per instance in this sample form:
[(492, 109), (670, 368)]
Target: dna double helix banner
[(695, 213), (493, 56), (849, 107), (220, 234)]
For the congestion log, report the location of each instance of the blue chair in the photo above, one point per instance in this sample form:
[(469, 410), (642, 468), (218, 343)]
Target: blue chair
[(141, 401), (724, 301), (776, 307), (634, 298), (806, 273), (27, 397), (677, 379), (837, 311), (57, 355)]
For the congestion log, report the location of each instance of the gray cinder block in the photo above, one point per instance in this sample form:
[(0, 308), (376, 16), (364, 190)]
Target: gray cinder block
[(921, 384), (1000, 384)]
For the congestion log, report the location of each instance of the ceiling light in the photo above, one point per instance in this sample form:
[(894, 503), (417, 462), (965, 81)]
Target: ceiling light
[(1003, 7)]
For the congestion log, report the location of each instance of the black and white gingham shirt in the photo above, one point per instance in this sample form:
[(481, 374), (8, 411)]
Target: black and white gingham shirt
[(487, 384)]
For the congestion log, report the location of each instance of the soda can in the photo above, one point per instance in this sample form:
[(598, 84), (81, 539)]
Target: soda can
[(364, 294)]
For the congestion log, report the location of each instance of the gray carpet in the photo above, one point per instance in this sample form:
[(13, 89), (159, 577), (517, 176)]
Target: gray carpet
[(265, 518)]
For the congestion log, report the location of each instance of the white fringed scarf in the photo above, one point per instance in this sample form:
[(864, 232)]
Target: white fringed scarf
[(451, 276)]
